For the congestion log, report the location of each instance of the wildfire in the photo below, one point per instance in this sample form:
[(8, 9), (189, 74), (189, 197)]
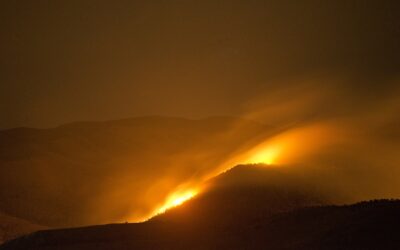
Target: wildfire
[(291, 145), (177, 199), (281, 149), (267, 155)]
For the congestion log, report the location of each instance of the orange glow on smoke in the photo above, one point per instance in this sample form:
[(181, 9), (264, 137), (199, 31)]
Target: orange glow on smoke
[(290, 146), (267, 155), (285, 148)]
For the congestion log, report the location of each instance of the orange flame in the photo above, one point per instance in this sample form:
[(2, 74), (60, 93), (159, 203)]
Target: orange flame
[(284, 148), (177, 199)]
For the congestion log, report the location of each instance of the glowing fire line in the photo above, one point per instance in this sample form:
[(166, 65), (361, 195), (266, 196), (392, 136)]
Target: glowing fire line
[(268, 152), (176, 199)]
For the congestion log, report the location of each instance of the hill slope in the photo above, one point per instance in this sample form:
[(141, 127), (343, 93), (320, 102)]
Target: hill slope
[(11, 227), (260, 214)]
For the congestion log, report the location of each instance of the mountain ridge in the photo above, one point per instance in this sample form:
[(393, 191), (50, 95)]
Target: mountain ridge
[(107, 160)]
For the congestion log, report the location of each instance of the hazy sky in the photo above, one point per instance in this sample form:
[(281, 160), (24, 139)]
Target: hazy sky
[(62, 61)]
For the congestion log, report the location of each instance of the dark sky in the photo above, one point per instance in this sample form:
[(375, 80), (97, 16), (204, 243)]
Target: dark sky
[(63, 61)]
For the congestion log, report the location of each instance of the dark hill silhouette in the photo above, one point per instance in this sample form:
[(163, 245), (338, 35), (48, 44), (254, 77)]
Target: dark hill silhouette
[(246, 190), (231, 214), (98, 172)]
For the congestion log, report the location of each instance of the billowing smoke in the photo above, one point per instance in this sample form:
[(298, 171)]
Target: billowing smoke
[(341, 141), (345, 140)]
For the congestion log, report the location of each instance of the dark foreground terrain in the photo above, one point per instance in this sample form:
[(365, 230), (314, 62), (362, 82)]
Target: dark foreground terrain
[(367, 225), (257, 212)]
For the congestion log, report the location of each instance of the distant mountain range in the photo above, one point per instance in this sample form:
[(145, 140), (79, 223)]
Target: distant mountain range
[(101, 172)]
